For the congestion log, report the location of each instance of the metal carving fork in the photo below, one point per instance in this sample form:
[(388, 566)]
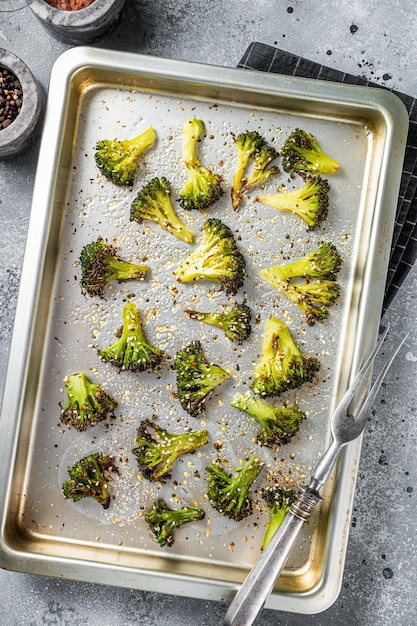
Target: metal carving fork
[(347, 423)]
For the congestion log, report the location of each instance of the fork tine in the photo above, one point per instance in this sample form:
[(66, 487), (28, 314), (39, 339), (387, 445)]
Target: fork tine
[(370, 399), (360, 376)]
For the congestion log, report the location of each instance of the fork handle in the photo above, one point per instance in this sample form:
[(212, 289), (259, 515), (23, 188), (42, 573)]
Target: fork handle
[(324, 467), (258, 585)]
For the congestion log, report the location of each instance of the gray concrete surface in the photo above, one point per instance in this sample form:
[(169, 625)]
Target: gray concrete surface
[(380, 572)]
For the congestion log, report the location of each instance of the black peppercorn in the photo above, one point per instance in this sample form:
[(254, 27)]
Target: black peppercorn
[(11, 96)]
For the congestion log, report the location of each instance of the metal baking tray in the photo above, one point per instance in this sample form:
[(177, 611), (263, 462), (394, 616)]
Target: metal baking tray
[(97, 94)]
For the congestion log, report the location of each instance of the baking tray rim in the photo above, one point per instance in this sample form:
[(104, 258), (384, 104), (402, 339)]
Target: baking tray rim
[(65, 68)]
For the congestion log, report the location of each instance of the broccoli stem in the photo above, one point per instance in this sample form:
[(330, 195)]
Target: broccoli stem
[(123, 270), (192, 132)]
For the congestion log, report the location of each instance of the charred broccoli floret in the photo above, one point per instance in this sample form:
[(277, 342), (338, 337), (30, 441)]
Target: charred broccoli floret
[(87, 402), (301, 153), (154, 203), (251, 147), (132, 351), (311, 202), (157, 449), (89, 477), (312, 297), (278, 424), (230, 493), (279, 501), (216, 258), (162, 520), (204, 186), (117, 159), (196, 377), (234, 321), (100, 265), (282, 365)]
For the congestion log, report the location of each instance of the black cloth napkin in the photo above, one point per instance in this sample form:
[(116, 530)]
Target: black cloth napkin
[(259, 56)]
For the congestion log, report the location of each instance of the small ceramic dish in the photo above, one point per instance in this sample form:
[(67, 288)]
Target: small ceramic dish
[(26, 125), (80, 26)]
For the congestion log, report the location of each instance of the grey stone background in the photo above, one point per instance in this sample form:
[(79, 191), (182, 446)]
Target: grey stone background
[(380, 573)]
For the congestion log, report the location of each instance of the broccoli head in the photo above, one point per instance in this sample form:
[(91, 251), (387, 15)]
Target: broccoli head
[(282, 365), (313, 297), (230, 493), (87, 404), (196, 378), (279, 501), (311, 202), (132, 351), (216, 258), (204, 186), (278, 424), (163, 520), (100, 265), (234, 321), (117, 159), (251, 147), (153, 203), (157, 449), (301, 153), (89, 477)]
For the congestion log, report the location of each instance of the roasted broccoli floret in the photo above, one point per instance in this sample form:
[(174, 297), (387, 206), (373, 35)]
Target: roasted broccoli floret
[(230, 493), (153, 203), (100, 265), (216, 258), (311, 202), (162, 520), (279, 424), (132, 351), (247, 145), (322, 263), (89, 478), (282, 365), (157, 449), (117, 159), (204, 186), (313, 297), (251, 147), (87, 402), (196, 378), (301, 153), (279, 501), (235, 321)]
